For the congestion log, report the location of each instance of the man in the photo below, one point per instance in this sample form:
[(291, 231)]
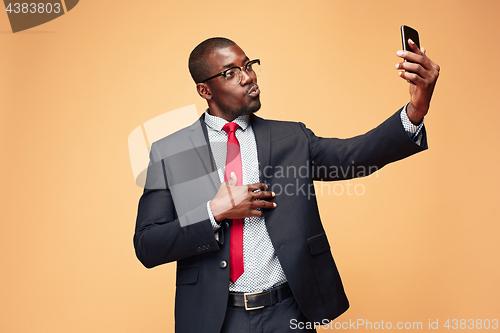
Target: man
[(222, 199)]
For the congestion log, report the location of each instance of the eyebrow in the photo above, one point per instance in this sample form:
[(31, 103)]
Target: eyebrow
[(233, 64)]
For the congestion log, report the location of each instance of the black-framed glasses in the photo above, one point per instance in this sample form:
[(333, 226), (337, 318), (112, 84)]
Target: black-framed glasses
[(233, 75)]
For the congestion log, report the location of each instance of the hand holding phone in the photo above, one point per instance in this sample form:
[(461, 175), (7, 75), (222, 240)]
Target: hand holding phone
[(420, 71)]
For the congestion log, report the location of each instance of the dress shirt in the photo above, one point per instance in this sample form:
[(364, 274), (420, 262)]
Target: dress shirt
[(262, 267)]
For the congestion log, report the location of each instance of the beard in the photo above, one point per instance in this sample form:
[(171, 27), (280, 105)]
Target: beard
[(248, 109)]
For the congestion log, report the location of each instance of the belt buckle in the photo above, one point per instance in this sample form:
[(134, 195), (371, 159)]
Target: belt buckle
[(246, 300)]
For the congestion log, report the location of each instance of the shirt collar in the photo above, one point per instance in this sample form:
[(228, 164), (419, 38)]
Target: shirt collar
[(217, 123)]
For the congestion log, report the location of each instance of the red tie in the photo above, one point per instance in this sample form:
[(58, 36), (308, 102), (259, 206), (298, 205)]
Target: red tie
[(233, 164)]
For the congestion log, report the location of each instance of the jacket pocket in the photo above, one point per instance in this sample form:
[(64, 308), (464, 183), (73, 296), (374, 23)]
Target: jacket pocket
[(187, 275), (318, 244)]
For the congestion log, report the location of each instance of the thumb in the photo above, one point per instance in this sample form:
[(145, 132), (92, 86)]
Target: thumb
[(233, 180)]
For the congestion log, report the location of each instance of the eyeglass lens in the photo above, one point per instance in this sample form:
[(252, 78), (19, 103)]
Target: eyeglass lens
[(233, 76)]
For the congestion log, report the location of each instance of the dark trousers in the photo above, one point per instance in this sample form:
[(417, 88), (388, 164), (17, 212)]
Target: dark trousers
[(278, 318)]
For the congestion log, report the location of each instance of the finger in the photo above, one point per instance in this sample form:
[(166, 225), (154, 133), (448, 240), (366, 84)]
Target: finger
[(233, 180), (436, 67), (263, 195), (413, 68), (411, 77), (257, 187), (263, 204), (230, 194), (431, 64), (427, 74), (256, 213), (414, 47), (420, 59)]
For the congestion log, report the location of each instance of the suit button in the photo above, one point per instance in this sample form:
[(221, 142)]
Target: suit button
[(198, 249), (203, 248), (223, 264), (207, 247), (226, 225)]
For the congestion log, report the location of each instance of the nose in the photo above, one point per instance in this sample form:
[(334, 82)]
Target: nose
[(245, 78)]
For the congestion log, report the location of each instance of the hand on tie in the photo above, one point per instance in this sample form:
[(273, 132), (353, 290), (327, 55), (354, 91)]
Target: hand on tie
[(237, 202)]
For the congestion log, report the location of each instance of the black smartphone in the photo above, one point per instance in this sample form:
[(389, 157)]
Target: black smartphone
[(409, 33)]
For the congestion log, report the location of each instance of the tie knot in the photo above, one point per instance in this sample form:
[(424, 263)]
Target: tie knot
[(230, 127)]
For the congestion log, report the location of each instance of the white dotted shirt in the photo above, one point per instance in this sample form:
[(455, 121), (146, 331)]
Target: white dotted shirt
[(262, 267)]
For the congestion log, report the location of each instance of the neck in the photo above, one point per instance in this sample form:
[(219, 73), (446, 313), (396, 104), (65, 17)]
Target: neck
[(220, 114)]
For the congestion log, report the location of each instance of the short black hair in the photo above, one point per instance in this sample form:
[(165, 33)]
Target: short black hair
[(198, 64)]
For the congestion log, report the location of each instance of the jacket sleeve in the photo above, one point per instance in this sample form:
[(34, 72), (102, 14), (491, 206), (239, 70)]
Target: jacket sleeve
[(338, 159), (159, 237)]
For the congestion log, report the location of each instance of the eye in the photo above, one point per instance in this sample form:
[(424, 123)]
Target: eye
[(230, 73)]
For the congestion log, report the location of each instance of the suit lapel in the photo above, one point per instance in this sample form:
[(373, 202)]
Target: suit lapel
[(201, 143), (262, 132)]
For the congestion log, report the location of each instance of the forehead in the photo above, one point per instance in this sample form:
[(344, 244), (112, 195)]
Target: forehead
[(227, 57)]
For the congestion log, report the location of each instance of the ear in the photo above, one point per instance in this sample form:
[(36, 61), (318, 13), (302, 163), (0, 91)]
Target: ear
[(204, 91)]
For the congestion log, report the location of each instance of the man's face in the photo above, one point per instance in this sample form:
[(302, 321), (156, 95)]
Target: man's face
[(230, 101)]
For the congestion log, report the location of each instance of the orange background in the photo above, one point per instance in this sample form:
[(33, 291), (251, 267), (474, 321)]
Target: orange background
[(420, 244)]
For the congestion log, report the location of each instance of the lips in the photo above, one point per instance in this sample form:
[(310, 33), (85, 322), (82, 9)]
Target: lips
[(253, 91)]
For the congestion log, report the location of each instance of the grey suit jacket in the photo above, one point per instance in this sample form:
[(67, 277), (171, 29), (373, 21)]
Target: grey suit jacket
[(173, 222)]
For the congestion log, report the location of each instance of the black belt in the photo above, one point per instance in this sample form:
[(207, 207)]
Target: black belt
[(260, 299)]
